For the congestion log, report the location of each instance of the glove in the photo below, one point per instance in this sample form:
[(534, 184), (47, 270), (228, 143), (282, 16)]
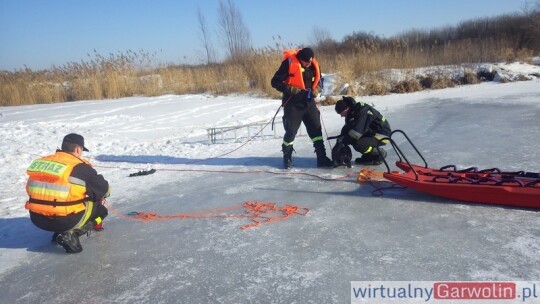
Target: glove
[(344, 131), (347, 140), (108, 192), (339, 141), (293, 90), (316, 92)]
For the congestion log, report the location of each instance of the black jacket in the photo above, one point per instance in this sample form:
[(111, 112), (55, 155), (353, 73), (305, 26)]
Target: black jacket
[(366, 121), (282, 74), (96, 185)]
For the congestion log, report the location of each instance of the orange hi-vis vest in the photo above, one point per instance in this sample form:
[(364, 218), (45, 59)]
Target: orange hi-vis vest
[(52, 191), (295, 70)]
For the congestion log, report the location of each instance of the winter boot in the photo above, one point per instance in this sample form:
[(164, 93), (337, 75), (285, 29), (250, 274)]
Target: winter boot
[(69, 240), (372, 158), (322, 160), (287, 156)]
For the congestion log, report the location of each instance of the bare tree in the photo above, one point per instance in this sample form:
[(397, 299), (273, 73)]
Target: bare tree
[(319, 36), (232, 30), (532, 26), (205, 38), (322, 40)]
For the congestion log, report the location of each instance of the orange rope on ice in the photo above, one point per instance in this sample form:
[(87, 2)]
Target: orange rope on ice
[(376, 180), (259, 212), (367, 174)]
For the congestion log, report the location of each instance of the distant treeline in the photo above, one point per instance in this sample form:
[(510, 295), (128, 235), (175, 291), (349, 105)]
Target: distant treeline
[(519, 31), (358, 59), (505, 37)]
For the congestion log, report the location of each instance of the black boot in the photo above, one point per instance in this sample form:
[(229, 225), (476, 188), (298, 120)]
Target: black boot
[(287, 156), (372, 158), (69, 240), (322, 159)]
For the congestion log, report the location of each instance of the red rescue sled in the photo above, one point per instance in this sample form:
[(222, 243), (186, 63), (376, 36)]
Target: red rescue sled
[(490, 186)]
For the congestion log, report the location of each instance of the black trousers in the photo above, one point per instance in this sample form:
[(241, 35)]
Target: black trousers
[(366, 144), (370, 141), (64, 223), (295, 114)]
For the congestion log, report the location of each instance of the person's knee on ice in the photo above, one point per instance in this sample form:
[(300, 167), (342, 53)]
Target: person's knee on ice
[(363, 129)]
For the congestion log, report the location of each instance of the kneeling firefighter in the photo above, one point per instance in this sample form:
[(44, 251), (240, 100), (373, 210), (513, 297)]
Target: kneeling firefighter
[(66, 194), (363, 129)]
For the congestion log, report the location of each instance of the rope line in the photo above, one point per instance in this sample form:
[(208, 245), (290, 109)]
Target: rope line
[(339, 178), (259, 213), (242, 145), (324, 126)]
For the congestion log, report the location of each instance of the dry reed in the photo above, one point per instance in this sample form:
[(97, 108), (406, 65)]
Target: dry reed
[(133, 73)]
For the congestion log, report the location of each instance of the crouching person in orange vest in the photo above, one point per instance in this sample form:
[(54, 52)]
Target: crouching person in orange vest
[(66, 194)]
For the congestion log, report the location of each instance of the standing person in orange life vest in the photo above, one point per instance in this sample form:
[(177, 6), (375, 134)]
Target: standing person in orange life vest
[(298, 79), (66, 194)]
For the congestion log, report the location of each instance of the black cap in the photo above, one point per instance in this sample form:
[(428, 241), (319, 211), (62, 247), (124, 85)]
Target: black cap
[(73, 138), (344, 103), (305, 54), (341, 106)]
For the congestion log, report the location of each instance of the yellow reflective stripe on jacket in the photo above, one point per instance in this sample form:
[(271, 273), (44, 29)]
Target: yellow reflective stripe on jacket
[(47, 189), (98, 220)]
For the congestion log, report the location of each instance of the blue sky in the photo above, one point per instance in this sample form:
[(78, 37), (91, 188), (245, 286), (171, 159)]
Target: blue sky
[(39, 33)]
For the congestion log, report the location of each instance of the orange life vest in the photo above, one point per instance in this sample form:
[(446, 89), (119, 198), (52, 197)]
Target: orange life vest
[(295, 70), (51, 189)]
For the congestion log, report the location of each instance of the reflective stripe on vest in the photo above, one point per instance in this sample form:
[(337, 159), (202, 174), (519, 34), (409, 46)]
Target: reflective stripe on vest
[(51, 189), (47, 189)]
